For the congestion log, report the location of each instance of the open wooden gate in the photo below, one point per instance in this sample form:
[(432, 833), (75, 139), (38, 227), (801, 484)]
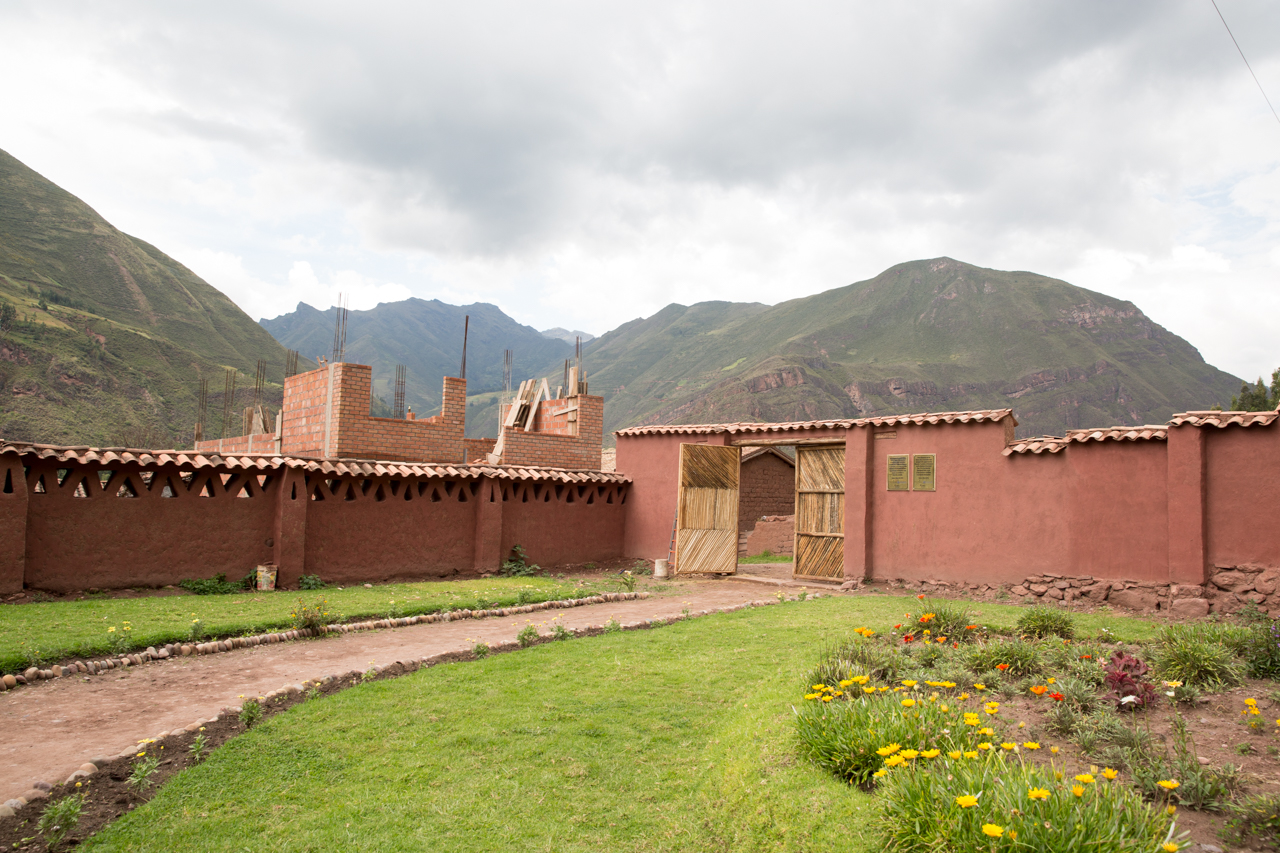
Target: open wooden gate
[(819, 546), (707, 518)]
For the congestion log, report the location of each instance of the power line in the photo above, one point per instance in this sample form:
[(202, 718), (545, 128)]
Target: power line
[(1246, 61)]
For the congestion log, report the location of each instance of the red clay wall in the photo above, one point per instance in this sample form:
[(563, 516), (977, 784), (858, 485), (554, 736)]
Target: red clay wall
[(767, 487), (1242, 474), (347, 529)]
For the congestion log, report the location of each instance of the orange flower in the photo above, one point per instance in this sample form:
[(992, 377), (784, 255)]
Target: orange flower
[(1039, 689), (1002, 666)]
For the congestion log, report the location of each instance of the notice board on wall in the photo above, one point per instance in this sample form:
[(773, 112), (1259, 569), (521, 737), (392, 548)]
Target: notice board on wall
[(924, 472), (898, 472)]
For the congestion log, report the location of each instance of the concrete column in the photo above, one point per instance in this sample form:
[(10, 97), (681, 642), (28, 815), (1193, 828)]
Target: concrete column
[(13, 525), (290, 547), (488, 535), (1186, 485), (857, 503)]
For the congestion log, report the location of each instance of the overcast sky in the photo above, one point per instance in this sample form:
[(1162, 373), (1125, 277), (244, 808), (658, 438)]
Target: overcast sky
[(581, 164)]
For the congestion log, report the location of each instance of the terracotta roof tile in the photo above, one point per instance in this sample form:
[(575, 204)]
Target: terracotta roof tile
[(808, 426), (355, 467), (1054, 443), (1224, 419)]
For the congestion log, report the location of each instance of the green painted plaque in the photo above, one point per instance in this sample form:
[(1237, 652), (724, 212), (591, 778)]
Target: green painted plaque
[(898, 472), (924, 470)]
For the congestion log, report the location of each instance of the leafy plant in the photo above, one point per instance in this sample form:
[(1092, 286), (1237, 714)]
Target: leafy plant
[(1197, 657), (143, 769), (1262, 649), (481, 650), (1009, 657), (1257, 816), (518, 566), (1199, 786), (314, 615), (613, 626), (559, 632), (218, 585), (310, 582), (942, 618), (1126, 676), (196, 633), (250, 713), (1042, 621), (628, 581), (198, 746), (60, 819), (859, 656), (527, 636)]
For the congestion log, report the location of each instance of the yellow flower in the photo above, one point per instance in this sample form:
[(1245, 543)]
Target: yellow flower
[(971, 754), (1086, 778), (1021, 725), (1167, 784), (955, 754), (907, 703), (1173, 684), (819, 687), (966, 801), (1054, 750), (894, 761), (909, 683), (1052, 681), (860, 679), (930, 753), (811, 695), (1109, 774), (993, 830), (979, 687), (984, 746), (908, 754), (986, 730), (963, 696), (945, 709), (846, 682), (888, 750), (1078, 790), (1170, 810), (1038, 794), (868, 690), (1251, 702), (1169, 847), (1008, 747), (826, 698), (1031, 745), (881, 773), (111, 630)]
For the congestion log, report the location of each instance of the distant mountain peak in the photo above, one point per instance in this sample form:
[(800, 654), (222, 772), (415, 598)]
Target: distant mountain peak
[(567, 336)]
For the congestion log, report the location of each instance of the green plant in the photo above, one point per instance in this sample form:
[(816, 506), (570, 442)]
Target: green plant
[(198, 746), (1043, 621), (523, 596), (1262, 649), (860, 656), (481, 650), (1194, 656), (559, 632), (60, 819), (518, 566), (1257, 816), (942, 618), (250, 713), (527, 637), (314, 615), (628, 581), (1201, 787), (143, 768), (310, 582), (217, 585), (1010, 657), (120, 640), (1243, 748), (196, 632), (1001, 803)]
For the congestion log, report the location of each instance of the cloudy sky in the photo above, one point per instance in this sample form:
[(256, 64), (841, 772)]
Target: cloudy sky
[(582, 164)]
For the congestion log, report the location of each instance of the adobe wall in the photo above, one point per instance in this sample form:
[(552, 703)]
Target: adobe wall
[(348, 529), (1242, 472), (767, 487)]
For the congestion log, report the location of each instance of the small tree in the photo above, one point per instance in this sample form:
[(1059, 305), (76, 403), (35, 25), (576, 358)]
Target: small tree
[(8, 316), (1258, 397)]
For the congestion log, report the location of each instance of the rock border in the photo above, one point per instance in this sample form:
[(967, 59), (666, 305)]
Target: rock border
[(33, 674), (41, 790)]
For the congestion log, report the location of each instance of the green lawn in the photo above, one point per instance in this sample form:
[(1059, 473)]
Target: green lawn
[(765, 558), (53, 631), (675, 738)]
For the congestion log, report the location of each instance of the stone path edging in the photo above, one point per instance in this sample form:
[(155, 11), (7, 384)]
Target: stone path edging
[(171, 650)]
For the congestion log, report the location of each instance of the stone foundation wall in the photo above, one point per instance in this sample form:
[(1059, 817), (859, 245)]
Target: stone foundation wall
[(1229, 589)]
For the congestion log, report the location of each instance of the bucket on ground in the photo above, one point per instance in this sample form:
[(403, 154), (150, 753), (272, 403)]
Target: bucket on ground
[(659, 568)]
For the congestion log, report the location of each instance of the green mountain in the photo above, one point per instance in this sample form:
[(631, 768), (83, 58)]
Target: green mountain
[(935, 335), (426, 337), (109, 336)]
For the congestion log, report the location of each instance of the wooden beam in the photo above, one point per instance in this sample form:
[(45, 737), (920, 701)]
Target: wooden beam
[(787, 442)]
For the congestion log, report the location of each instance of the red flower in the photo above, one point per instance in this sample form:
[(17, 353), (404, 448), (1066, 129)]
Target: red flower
[(971, 627), (1086, 657), (1002, 666), (908, 638), (955, 645), (899, 625), (1057, 697), (921, 596)]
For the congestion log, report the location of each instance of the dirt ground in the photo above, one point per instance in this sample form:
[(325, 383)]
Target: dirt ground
[(53, 727)]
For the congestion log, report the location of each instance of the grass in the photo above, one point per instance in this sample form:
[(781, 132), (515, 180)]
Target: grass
[(51, 631), (766, 557), (676, 738)]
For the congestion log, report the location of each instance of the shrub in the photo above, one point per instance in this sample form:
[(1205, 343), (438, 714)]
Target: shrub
[(218, 585), (250, 713), (860, 656), (314, 615), (527, 636), (1042, 621), (60, 819), (143, 769), (481, 650), (971, 803), (1254, 817), (943, 618), (1262, 649), (1196, 658), (1126, 676), (518, 566), (1009, 657), (310, 582)]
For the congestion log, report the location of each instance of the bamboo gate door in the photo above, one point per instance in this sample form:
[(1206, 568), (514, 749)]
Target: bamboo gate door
[(707, 516), (819, 545)]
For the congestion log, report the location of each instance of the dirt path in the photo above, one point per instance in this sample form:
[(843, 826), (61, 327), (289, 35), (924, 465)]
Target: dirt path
[(49, 730)]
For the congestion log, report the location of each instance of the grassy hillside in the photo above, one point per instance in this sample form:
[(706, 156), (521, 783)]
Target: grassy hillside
[(426, 337), (111, 335), (934, 335)]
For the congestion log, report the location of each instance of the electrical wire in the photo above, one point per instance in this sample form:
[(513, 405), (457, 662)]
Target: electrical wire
[(1246, 61)]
